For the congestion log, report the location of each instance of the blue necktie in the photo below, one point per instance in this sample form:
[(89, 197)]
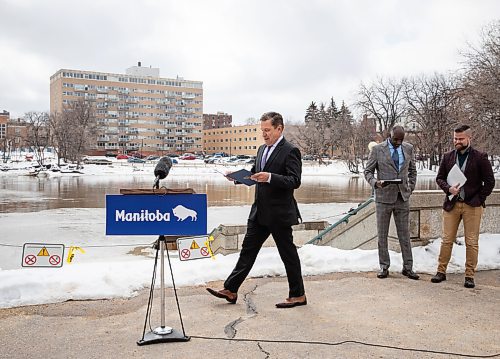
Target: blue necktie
[(395, 158)]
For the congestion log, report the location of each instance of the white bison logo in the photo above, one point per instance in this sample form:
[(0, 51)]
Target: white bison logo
[(182, 213)]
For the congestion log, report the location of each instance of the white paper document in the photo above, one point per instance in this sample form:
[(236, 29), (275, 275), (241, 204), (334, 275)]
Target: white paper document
[(455, 176)]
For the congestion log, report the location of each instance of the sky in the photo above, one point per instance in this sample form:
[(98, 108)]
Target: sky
[(252, 56)]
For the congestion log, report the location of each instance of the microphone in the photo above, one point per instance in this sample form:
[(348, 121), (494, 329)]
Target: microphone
[(161, 170)]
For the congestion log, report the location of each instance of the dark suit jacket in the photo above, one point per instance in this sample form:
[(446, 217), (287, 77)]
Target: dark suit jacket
[(274, 202), (479, 174)]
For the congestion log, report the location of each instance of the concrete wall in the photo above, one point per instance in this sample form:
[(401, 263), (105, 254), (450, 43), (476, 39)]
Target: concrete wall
[(425, 223), (360, 230)]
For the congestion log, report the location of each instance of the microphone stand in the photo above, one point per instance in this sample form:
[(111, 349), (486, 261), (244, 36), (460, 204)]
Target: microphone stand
[(162, 334)]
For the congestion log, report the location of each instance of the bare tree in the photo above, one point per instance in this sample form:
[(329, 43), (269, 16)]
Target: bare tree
[(75, 129), (59, 123), (383, 100), (252, 121), (432, 106), (38, 135), (481, 88)]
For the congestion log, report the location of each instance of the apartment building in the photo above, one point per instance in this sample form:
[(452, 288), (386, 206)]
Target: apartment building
[(218, 120), (236, 140), (138, 110)]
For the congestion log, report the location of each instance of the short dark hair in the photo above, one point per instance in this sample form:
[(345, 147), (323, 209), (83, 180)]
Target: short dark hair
[(276, 118), (462, 128)]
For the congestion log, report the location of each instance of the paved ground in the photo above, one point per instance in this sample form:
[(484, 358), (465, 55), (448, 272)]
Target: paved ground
[(396, 312)]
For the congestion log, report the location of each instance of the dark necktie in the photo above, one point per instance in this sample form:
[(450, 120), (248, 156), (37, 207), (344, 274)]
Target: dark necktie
[(264, 156), (395, 158)]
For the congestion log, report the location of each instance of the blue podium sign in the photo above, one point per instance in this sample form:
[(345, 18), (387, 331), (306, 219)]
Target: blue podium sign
[(176, 214)]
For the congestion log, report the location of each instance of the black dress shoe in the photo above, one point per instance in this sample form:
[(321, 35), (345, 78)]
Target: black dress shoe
[(438, 278), (292, 302), (469, 282), (384, 273), (410, 274)]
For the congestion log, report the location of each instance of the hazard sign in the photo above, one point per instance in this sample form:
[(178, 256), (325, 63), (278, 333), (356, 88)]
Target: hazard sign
[(43, 255), (192, 248)]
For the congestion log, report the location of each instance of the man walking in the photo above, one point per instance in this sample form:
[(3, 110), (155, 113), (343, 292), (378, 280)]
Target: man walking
[(396, 177), (277, 171), (463, 201)]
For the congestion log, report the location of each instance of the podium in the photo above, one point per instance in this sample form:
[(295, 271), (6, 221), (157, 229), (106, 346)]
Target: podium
[(144, 211)]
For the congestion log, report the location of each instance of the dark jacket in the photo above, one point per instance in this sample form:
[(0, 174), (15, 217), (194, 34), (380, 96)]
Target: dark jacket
[(479, 174), (274, 203)]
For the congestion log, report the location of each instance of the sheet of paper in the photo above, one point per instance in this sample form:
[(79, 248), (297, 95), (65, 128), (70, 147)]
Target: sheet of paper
[(455, 176)]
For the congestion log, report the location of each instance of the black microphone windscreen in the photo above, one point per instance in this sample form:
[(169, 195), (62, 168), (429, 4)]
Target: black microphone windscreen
[(163, 167)]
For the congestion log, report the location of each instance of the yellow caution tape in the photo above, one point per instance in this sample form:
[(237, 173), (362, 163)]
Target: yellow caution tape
[(71, 253), (207, 244)]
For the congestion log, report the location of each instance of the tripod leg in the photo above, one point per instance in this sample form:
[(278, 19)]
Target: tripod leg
[(151, 294), (175, 292)]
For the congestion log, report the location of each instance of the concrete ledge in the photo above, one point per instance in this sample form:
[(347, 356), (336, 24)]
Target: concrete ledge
[(228, 238)]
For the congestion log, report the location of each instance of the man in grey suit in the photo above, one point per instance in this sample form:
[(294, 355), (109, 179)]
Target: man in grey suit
[(394, 161)]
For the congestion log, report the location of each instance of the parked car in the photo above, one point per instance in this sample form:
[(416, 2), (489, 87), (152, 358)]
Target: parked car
[(136, 154), (121, 157), (135, 160), (110, 154), (152, 158), (188, 156)]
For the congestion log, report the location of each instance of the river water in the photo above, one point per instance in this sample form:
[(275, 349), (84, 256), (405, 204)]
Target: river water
[(28, 194)]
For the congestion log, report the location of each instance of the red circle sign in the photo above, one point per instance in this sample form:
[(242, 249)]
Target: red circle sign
[(204, 251), (54, 259), (30, 259), (185, 253)]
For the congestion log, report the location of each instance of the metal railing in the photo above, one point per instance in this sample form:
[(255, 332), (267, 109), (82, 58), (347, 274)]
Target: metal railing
[(344, 219)]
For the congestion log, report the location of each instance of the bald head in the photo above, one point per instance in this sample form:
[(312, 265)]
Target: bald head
[(397, 136)]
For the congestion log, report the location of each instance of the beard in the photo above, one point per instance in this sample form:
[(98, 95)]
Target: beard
[(461, 146)]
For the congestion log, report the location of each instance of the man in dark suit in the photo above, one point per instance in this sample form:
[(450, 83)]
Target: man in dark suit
[(393, 159), (464, 202), (277, 171)]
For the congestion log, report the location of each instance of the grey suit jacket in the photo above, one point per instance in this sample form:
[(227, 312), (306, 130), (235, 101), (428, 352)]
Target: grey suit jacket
[(380, 161)]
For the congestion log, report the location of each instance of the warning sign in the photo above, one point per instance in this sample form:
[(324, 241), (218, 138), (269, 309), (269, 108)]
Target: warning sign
[(43, 255), (190, 249), (43, 252)]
